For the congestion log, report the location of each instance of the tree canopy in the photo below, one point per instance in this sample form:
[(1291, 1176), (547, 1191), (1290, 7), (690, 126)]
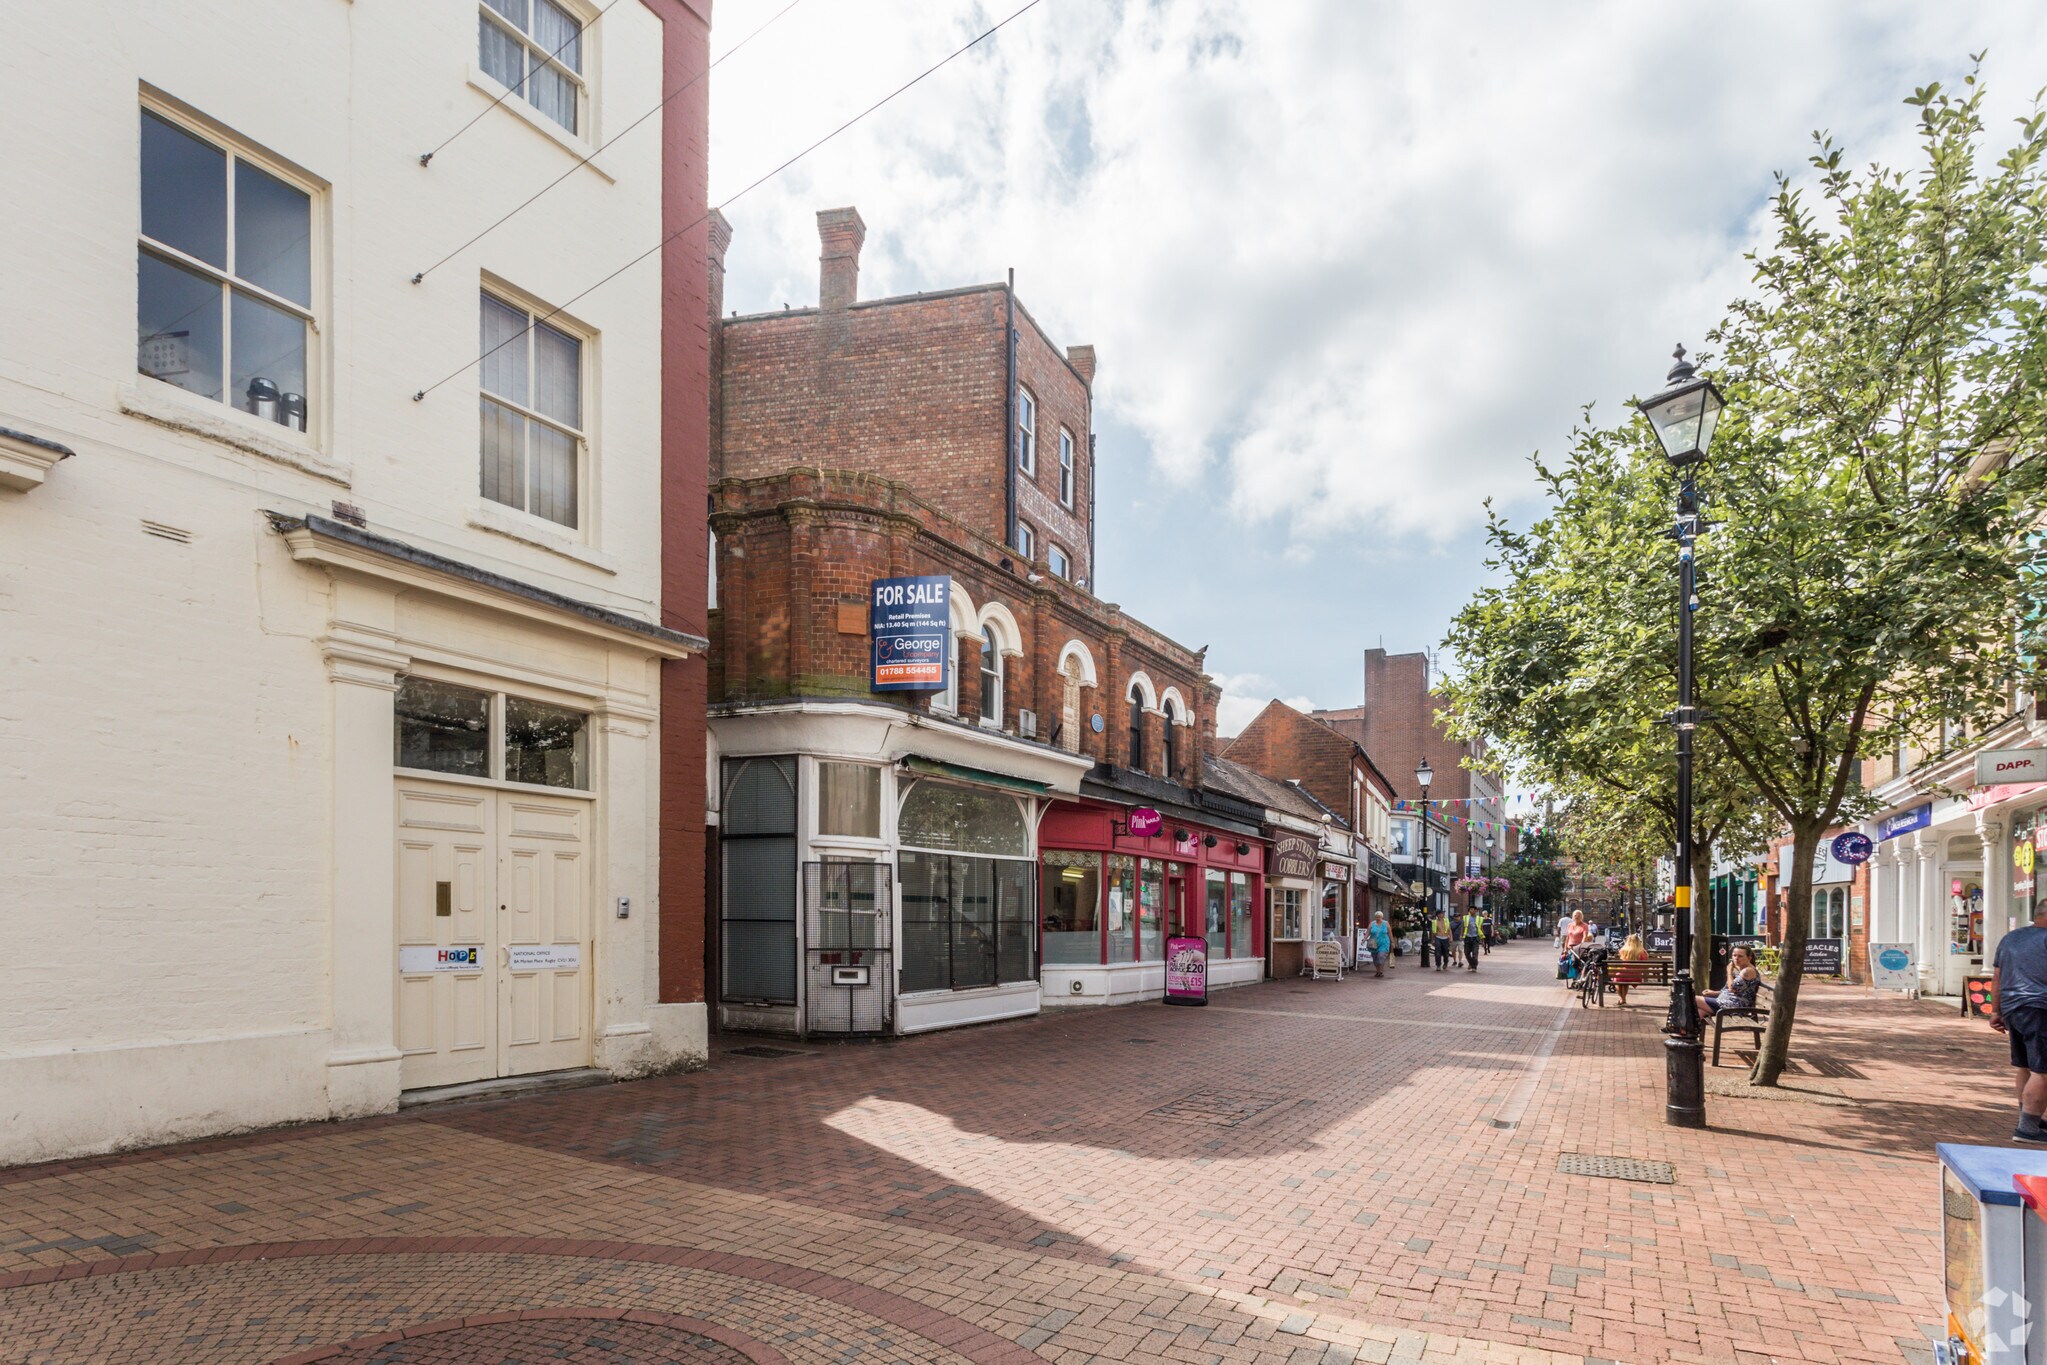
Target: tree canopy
[(1869, 498)]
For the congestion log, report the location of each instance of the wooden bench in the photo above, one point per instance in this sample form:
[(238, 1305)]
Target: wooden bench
[(1643, 971), (1741, 1021)]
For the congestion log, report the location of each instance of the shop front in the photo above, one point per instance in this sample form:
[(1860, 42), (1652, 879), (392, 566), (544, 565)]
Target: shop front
[(1292, 891), (1335, 883), (877, 870), (1109, 896)]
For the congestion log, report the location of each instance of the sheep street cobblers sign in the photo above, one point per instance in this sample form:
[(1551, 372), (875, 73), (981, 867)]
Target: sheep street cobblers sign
[(910, 624)]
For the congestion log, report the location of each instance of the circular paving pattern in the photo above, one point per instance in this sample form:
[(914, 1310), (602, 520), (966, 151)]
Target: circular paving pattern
[(574, 1341), (477, 1300)]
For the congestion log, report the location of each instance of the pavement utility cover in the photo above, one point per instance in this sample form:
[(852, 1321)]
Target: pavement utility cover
[(1219, 1108), (766, 1052), (1617, 1168)]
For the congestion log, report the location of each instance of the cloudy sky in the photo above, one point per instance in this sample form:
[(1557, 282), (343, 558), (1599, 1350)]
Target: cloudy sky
[(1347, 262)]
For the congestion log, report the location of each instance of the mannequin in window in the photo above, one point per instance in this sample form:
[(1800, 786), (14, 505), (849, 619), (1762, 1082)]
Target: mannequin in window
[(1136, 728)]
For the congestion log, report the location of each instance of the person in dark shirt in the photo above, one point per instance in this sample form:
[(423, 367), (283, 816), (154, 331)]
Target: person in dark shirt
[(2018, 1008)]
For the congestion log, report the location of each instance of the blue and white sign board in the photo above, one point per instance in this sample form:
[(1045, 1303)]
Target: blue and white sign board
[(910, 625), (1904, 822), (1891, 967)]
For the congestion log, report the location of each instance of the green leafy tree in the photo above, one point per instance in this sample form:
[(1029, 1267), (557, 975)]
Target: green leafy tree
[(1871, 489)]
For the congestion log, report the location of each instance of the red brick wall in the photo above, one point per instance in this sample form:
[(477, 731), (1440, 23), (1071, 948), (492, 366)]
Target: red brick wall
[(797, 555), (915, 389), (1287, 746), (687, 307)]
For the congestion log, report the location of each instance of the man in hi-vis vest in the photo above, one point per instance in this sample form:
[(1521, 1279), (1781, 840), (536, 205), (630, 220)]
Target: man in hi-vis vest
[(1439, 930), (1473, 926)]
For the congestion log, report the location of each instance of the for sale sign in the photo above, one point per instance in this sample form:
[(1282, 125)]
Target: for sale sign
[(911, 626)]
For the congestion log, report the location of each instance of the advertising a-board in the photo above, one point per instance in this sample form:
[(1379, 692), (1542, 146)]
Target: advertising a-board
[(910, 625), (1186, 971)]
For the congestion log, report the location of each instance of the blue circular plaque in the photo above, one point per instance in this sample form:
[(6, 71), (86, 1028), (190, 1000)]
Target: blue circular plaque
[(1095, 722)]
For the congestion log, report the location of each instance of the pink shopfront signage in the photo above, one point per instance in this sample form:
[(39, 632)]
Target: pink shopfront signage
[(1145, 822), (1187, 971)]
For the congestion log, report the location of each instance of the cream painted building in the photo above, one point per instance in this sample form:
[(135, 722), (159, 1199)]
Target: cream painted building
[(330, 718)]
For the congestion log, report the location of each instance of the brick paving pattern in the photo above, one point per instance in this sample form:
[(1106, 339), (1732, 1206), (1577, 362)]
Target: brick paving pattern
[(1304, 1172), (573, 1341)]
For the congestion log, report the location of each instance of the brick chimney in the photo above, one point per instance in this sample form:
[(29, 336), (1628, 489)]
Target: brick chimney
[(840, 232), (1082, 358), (720, 239)]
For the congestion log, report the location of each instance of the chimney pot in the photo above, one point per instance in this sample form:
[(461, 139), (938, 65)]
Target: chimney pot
[(840, 233), (1082, 358)]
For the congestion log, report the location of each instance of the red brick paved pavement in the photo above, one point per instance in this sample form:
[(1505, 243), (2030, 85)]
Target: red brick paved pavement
[(1307, 1172)]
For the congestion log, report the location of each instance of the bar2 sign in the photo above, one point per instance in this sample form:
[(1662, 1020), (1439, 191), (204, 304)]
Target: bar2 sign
[(911, 627)]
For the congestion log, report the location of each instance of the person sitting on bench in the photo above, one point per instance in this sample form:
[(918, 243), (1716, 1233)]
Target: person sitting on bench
[(1743, 983), (1631, 951)]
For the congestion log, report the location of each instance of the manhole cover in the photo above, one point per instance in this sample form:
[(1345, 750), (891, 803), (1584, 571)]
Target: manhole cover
[(1219, 1108), (1617, 1168), (757, 1051)]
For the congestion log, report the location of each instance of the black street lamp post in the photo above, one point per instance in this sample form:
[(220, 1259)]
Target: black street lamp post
[(1423, 776), (1683, 416)]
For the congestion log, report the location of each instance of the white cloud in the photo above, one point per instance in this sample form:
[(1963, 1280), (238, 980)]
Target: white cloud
[(1346, 264), (1244, 695)]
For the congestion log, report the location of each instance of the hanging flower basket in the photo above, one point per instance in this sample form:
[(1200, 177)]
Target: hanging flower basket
[(1472, 884)]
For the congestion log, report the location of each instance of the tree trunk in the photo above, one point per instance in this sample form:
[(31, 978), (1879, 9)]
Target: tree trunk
[(1702, 914), (1776, 1046)]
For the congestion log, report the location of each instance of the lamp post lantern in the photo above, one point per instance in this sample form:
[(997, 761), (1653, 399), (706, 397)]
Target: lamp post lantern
[(1684, 416)]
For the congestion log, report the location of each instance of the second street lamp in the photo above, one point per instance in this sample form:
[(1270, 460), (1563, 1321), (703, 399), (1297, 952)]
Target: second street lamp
[(1684, 416), (1423, 776)]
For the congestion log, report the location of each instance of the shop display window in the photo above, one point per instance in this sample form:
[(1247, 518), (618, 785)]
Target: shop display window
[(757, 917), (1120, 908), (849, 800), (1829, 912), (1070, 901), (1286, 912), (1243, 937), (1151, 909), (968, 921), (1218, 902)]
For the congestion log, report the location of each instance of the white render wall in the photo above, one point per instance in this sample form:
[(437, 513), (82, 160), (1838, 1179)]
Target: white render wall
[(168, 773)]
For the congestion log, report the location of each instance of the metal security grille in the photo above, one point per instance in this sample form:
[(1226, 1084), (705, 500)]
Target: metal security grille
[(850, 966), (1617, 1168)]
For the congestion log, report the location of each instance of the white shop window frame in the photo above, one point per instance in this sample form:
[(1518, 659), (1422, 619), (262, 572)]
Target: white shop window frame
[(165, 402), (499, 689)]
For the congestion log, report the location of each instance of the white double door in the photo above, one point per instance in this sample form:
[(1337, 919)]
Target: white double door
[(493, 903)]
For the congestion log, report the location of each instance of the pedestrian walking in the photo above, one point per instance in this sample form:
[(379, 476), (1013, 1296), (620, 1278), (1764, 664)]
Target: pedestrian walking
[(1381, 939), (2018, 1008), (1473, 927), (1439, 930), (1563, 923)]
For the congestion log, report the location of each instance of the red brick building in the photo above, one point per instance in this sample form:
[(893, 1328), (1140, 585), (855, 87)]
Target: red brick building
[(905, 860), (1334, 770), (1398, 726)]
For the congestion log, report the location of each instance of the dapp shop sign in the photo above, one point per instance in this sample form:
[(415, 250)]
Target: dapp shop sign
[(910, 623)]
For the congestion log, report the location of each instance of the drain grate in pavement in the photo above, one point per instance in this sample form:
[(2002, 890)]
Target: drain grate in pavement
[(758, 1051), (1143, 1041), (1833, 1068), (1218, 1108), (1617, 1168)]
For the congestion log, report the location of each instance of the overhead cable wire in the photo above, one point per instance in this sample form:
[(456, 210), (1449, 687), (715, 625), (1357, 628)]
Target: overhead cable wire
[(985, 34), (592, 154), (510, 90)]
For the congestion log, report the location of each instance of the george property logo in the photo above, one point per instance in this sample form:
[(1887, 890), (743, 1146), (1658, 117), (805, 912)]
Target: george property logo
[(456, 957)]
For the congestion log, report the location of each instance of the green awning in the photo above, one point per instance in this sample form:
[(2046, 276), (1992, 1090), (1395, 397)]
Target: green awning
[(931, 767)]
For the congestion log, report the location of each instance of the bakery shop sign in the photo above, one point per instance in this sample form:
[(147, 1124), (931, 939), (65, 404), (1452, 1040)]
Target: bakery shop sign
[(1293, 855)]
